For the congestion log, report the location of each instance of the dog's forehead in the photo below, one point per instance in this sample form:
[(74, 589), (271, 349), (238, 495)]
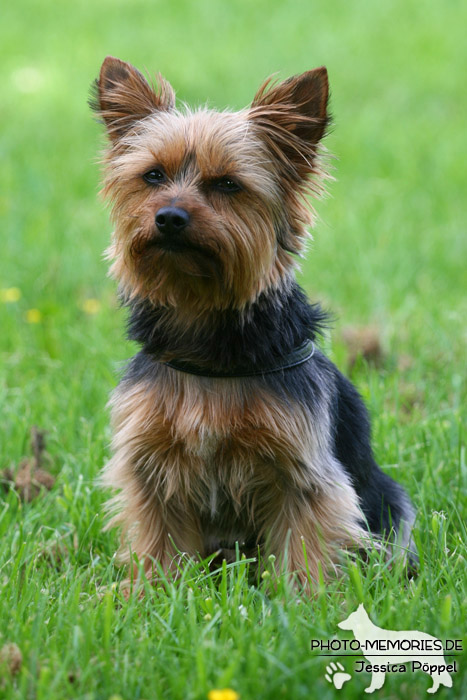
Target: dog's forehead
[(215, 143)]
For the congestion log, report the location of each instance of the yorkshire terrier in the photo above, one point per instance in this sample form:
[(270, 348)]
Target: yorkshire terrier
[(232, 430)]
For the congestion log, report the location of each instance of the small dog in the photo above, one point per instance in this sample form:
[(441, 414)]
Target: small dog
[(231, 428)]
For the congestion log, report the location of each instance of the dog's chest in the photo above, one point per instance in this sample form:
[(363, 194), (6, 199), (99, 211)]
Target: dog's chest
[(204, 444), (197, 436), (223, 421)]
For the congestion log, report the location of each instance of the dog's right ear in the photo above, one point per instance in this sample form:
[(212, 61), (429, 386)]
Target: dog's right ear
[(122, 96)]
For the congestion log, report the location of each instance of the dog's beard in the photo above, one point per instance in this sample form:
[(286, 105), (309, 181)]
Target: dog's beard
[(154, 254)]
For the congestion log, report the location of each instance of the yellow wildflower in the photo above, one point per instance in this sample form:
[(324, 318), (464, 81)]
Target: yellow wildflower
[(91, 306), (33, 316), (224, 694), (10, 294)]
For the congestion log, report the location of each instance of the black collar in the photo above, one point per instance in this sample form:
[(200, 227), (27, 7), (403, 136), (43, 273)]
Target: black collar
[(295, 357)]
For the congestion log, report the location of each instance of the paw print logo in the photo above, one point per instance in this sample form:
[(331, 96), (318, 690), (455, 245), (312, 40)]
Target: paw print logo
[(336, 675)]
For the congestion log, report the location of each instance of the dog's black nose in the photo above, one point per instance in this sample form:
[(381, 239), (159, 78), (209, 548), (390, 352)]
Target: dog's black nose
[(172, 219)]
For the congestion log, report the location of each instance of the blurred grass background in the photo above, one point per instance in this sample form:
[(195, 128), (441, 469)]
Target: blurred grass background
[(390, 252)]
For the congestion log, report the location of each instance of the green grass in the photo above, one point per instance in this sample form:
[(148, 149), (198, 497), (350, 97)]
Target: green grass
[(389, 251)]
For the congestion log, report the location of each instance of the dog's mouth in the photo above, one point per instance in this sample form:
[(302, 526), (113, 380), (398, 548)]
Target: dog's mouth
[(178, 244), (173, 245), (180, 253)]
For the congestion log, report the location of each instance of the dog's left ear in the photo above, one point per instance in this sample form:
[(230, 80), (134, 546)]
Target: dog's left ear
[(292, 116), (122, 96)]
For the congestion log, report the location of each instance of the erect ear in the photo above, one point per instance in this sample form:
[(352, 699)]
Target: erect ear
[(122, 96), (293, 116)]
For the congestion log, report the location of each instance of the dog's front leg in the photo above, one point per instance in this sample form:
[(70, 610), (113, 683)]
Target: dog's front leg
[(158, 532), (295, 541), (377, 681), (166, 533), (310, 529), (160, 540)]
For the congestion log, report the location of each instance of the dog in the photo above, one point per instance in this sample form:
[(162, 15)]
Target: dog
[(231, 429), (368, 635)]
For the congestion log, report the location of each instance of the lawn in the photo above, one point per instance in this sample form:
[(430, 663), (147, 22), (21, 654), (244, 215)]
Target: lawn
[(389, 254)]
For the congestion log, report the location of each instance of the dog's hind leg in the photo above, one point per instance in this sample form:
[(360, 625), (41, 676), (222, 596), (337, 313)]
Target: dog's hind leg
[(384, 503)]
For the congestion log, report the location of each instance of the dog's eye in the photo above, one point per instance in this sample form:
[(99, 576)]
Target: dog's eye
[(226, 184), (154, 176)]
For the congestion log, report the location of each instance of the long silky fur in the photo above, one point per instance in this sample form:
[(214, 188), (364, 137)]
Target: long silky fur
[(280, 461)]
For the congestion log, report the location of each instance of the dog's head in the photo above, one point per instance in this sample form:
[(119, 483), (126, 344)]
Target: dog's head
[(355, 620), (208, 206)]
